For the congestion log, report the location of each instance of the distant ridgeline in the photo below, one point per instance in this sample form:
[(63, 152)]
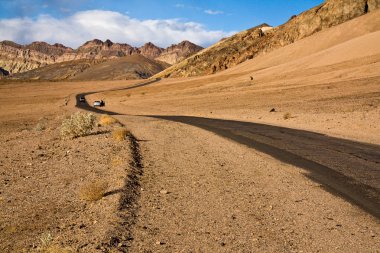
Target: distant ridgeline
[(15, 58)]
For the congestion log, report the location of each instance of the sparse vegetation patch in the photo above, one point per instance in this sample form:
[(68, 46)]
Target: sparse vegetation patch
[(93, 191), (120, 133), (41, 125), (106, 120), (78, 124), (287, 115)]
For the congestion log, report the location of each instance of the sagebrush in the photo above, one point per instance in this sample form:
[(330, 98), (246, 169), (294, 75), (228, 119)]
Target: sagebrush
[(41, 124), (106, 120), (120, 133), (78, 124), (93, 191)]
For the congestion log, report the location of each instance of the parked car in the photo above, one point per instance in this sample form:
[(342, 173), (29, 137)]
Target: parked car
[(99, 103), (82, 99)]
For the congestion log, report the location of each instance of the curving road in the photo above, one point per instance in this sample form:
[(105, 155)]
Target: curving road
[(87, 107), (346, 168)]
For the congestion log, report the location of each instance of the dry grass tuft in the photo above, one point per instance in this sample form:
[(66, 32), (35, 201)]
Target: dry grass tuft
[(78, 124), (46, 239), (287, 115), (106, 120), (41, 125), (120, 133), (93, 191)]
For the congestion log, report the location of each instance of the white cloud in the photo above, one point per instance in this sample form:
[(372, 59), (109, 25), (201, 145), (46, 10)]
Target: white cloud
[(87, 25), (212, 12)]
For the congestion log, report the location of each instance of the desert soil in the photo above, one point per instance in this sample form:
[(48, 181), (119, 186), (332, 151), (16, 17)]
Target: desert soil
[(198, 192), (46, 180), (203, 193)]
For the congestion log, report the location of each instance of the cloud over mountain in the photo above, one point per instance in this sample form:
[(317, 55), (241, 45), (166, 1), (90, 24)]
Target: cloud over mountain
[(86, 25)]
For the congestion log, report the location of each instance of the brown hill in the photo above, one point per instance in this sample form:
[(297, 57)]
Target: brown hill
[(45, 48), (129, 67), (262, 39), (179, 52), (17, 58), (150, 50), (98, 49)]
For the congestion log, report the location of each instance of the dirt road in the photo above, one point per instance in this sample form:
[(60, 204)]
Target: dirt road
[(205, 193), (347, 168)]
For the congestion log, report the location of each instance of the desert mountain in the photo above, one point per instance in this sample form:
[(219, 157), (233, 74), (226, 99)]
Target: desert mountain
[(16, 58), (150, 50), (179, 52), (263, 39), (128, 67)]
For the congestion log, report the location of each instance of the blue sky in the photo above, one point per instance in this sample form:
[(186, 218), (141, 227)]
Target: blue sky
[(211, 19)]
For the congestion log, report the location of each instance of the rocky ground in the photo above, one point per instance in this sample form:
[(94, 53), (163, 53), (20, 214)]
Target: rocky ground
[(203, 193), (46, 183)]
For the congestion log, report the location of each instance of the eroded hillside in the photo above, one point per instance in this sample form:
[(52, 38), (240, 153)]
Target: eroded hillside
[(261, 39)]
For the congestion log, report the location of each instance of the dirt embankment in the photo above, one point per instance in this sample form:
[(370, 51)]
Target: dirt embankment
[(51, 186), (62, 195)]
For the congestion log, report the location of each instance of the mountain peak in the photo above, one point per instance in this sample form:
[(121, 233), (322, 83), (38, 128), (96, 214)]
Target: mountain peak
[(108, 43), (46, 48), (179, 52), (94, 42), (150, 50)]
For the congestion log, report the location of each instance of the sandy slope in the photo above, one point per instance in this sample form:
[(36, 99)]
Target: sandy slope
[(328, 83)]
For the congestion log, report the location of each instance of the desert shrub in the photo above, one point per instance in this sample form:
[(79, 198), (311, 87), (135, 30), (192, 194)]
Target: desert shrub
[(120, 133), (93, 191), (106, 120), (287, 115), (46, 239), (41, 125), (78, 124)]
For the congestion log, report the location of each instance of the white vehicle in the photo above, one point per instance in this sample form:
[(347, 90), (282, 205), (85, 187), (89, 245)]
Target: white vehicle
[(99, 103)]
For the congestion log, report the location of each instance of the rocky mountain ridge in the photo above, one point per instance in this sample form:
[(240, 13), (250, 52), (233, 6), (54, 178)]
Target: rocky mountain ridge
[(15, 58), (179, 52), (262, 39), (134, 66)]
